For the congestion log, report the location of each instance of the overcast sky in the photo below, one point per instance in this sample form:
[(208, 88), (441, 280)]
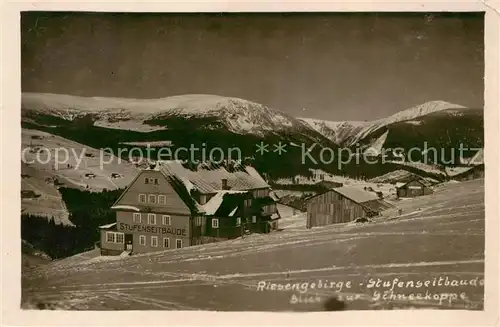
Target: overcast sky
[(328, 66)]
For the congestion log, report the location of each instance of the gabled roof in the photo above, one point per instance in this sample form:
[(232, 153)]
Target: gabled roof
[(377, 205), (207, 179), (355, 194)]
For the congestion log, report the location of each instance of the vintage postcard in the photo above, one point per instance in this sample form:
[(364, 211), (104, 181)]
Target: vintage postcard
[(255, 161)]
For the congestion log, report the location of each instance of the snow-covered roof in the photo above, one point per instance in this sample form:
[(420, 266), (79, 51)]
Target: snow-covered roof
[(107, 226), (209, 179), (125, 207), (453, 171), (233, 212), (356, 194), (215, 202)]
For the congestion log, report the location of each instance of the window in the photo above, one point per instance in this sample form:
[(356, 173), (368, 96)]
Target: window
[(142, 198), (162, 199), (203, 199), (248, 202), (178, 243), (166, 242), (166, 220), (154, 241), (156, 181), (197, 221), (151, 218), (146, 180), (120, 238), (110, 237), (152, 198), (114, 237), (270, 209), (142, 240), (261, 193), (238, 221), (215, 223), (137, 217), (254, 219)]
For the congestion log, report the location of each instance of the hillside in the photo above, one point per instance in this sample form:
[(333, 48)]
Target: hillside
[(45, 199), (347, 133), (74, 164), (338, 132), (32, 257), (437, 236), (78, 168), (445, 131)]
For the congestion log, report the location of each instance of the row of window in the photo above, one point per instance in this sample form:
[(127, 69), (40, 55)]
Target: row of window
[(215, 221), (152, 198), (117, 237), (154, 242), (150, 180), (114, 237), (165, 219), (261, 193)]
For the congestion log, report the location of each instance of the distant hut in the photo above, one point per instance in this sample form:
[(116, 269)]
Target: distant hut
[(472, 173), (29, 194), (343, 205), (329, 184), (413, 188)]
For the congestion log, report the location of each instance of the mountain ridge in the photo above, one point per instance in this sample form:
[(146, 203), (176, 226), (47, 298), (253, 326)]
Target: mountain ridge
[(349, 132), (238, 115)]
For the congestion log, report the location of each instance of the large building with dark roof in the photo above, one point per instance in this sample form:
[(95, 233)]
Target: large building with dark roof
[(174, 205)]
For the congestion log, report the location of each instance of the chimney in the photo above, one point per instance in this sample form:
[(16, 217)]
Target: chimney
[(224, 184)]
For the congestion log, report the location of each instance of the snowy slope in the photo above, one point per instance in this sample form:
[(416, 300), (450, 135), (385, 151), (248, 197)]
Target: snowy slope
[(349, 133), (375, 149), (72, 162), (437, 235), (408, 114), (238, 115), (336, 131)]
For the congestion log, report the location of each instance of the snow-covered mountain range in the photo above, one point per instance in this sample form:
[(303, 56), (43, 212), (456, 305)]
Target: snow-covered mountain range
[(349, 132), (439, 123), (145, 115)]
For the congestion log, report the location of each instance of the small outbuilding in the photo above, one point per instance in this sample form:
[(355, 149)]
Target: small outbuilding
[(472, 173), (413, 188)]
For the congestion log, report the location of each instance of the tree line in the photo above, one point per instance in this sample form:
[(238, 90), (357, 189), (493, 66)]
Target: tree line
[(87, 211)]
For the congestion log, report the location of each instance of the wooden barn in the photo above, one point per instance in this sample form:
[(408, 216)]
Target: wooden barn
[(343, 205), (472, 173), (413, 188)]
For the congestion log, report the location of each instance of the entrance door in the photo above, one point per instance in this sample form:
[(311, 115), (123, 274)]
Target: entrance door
[(129, 241)]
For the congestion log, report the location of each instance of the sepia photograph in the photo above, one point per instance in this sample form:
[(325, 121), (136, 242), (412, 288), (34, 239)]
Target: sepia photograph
[(252, 161)]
